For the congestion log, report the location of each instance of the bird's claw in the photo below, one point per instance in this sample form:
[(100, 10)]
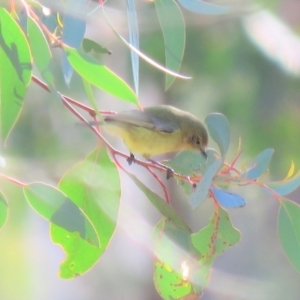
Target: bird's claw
[(170, 173), (130, 159)]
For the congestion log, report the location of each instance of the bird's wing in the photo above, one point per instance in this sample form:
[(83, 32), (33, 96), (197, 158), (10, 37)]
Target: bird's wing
[(142, 119), (164, 126)]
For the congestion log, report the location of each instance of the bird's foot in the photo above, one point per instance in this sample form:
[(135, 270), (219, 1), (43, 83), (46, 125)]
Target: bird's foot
[(170, 171), (130, 159)]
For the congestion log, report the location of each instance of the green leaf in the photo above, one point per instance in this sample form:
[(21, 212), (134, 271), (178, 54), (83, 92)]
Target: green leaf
[(199, 194), (218, 127), (15, 71), (172, 244), (169, 283), (176, 261), (81, 255), (259, 165), (90, 94), (90, 45), (44, 199), (3, 210), (187, 162), (94, 186), (55, 207), (161, 205), (289, 231), (173, 28), (100, 76), (216, 237), (40, 50)]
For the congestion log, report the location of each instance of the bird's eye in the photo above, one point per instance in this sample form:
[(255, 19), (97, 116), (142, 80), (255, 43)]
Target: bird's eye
[(195, 139)]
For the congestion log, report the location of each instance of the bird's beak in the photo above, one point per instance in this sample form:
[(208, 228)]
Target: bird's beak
[(204, 153)]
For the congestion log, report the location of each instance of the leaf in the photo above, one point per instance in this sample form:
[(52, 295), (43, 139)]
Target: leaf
[(176, 261), (55, 207), (15, 71), (173, 28), (259, 165), (74, 24), (3, 210), (290, 172), (44, 199), (90, 94), (289, 231), (186, 162), (190, 163), (169, 283), (218, 127), (94, 186), (81, 255), (90, 45), (226, 199), (160, 204), (100, 76), (202, 7), (142, 55), (199, 194), (285, 187), (40, 51), (49, 17), (172, 244), (134, 41), (216, 237)]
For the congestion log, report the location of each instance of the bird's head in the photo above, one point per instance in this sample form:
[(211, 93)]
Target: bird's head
[(196, 137)]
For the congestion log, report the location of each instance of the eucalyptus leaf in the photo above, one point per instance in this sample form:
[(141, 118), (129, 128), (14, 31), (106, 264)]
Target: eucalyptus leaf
[(218, 127), (259, 165), (289, 231), (200, 193)]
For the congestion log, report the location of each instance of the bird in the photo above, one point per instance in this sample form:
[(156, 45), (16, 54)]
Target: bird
[(157, 130)]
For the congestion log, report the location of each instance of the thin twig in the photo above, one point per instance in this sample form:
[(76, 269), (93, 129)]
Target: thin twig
[(13, 180), (161, 184)]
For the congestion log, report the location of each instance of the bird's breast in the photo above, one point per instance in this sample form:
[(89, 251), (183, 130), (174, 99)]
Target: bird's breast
[(147, 142)]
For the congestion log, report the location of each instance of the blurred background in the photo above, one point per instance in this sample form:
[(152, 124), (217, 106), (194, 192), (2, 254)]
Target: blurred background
[(245, 65)]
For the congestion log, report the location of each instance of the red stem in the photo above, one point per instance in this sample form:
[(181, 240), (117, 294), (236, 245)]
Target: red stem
[(67, 101), (13, 180), (161, 184)]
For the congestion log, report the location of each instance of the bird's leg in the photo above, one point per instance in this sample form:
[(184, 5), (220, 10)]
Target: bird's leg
[(170, 171), (130, 159)]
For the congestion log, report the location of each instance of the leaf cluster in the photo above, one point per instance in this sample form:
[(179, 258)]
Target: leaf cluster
[(82, 209)]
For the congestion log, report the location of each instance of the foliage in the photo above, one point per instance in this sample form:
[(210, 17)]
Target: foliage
[(83, 209)]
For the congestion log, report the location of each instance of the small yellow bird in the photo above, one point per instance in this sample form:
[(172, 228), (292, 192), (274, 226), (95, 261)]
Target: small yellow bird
[(157, 130)]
